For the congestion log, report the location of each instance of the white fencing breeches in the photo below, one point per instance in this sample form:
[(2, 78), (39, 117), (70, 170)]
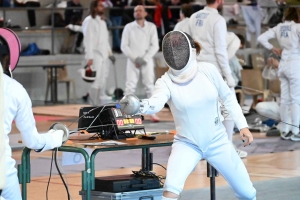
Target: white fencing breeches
[(268, 109), (99, 85), (12, 188), (289, 77), (133, 75), (253, 19), (220, 154)]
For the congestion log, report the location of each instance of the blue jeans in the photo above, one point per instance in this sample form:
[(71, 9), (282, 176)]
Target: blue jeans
[(116, 21)]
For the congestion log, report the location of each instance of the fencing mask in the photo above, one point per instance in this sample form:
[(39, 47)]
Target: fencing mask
[(10, 48), (178, 49)]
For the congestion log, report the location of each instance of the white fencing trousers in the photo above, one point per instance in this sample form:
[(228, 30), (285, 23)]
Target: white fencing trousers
[(220, 154), (133, 75), (12, 188), (253, 19), (99, 85), (289, 77)]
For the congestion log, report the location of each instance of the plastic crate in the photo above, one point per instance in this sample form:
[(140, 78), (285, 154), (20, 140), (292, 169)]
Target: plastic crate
[(154, 194)]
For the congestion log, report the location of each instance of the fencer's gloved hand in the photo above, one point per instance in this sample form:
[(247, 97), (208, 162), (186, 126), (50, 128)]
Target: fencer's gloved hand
[(140, 61), (144, 105), (229, 80), (112, 58), (54, 139)]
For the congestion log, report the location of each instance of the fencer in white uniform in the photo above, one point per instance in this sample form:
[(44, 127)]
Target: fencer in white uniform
[(2, 138), (192, 91), (208, 28), (140, 44), (253, 18), (288, 36), (18, 108), (97, 51), (185, 14)]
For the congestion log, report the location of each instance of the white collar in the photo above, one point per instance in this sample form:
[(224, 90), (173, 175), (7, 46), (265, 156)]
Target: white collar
[(211, 9)]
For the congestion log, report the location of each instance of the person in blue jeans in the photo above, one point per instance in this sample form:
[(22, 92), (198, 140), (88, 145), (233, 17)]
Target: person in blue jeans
[(116, 18)]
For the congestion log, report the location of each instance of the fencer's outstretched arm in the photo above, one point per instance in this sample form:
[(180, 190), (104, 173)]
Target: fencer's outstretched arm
[(125, 45), (229, 98), (220, 46), (156, 102), (266, 36), (26, 125), (154, 47)]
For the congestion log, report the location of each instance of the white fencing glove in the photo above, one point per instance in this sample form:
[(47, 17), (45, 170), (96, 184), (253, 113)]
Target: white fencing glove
[(230, 80), (112, 58), (144, 105), (54, 139), (140, 61)]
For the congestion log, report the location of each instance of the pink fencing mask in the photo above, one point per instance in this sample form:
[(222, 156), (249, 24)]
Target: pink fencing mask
[(10, 45)]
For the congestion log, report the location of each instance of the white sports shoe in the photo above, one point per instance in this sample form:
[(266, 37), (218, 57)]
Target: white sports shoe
[(154, 118), (242, 154), (296, 138), (286, 136)]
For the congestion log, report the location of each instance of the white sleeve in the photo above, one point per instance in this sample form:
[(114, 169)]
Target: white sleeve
[(125, 44), (298, 31), (160, 96), (220, 46), (154, 47), (264, 38), (75, 28), (88, 39), (2, 140), (229, 98), (107, 42), (233, 44), (25, 123)]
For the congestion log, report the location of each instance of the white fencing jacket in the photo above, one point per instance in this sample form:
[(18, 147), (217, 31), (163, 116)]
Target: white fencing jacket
[(288, 36), (18, 108), (208, 28), (139, 41), (195, 104), (183, 25), (2, 137), (96, 38)]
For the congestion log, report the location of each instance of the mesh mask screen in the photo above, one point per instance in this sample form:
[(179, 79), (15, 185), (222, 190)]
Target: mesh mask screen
[(176, 50)]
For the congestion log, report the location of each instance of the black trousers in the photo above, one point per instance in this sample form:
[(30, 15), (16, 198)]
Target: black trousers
[(31, 13), (0, 192)]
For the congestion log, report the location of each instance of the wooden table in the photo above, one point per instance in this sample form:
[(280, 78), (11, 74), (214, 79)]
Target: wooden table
[(52, 66)]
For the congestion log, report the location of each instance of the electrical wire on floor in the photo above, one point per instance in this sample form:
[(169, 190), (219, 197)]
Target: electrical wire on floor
[(59, 172), (50, 174)]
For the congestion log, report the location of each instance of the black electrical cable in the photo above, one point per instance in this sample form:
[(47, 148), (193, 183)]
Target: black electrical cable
[(49, 175), (60, 174), (159, 165)]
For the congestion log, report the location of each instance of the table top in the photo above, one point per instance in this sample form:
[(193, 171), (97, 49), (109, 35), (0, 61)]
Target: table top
[(162, 139), (58, 64)]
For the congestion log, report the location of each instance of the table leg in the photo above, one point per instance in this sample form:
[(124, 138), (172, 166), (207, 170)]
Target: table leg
[(86, 174), (24, 171), (212, 173), (51, 85), (55, 84)]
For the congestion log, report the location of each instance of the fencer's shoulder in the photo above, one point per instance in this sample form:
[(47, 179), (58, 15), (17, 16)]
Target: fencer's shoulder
[(130, 25), (207, 67), (11, 84), (150, 25)]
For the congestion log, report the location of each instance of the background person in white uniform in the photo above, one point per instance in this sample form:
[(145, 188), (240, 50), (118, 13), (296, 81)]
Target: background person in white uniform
[(97, 50), (192, 91), (185, 13), (140, 43), (208, 28), (288, 36), (18, 108)]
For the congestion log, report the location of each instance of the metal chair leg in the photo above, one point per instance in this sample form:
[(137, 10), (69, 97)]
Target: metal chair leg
[(212, 173)]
